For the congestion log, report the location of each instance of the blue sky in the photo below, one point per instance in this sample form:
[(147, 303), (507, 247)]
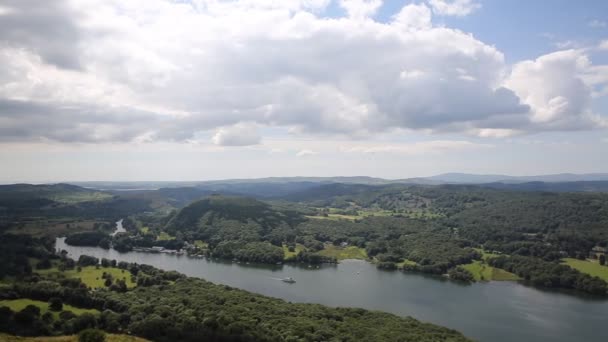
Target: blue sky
[(211, 89)]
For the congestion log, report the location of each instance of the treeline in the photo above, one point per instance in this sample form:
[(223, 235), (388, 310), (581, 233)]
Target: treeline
[(260, 252), (16, 251), (550, 274), (391, 240), (93, 238)]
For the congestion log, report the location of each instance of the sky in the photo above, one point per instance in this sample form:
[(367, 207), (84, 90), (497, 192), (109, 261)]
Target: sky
[(184, 90)]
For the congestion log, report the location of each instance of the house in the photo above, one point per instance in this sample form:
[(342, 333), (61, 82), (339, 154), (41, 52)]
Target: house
[(597, 251)]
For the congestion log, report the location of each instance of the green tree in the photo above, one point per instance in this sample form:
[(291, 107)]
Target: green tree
[(602, 260), (55, 304), (92, 335)]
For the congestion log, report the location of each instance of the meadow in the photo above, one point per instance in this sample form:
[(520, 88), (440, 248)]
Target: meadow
[(342, 253), (484, 272), (592, 268), (92, 276), (20, 304)]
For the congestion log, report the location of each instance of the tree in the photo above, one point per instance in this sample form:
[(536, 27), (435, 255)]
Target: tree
[(602, 259), (92, 335), (55, 304), (108, 282), (28, 315)]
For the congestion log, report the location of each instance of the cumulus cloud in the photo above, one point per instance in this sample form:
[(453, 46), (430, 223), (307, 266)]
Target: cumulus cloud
[(553, 86), (168, 71), (458, 8), (304, 153), (359, 9), (241, 134)]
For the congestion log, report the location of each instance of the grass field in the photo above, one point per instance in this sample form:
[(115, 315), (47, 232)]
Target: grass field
[(592, 268), (77, 197), (334, 217), (164, 236), (484, 272), (340, 253), (406, 262), (20, 304), (485, 255), (201, 244), (60, 227), (91, 276), (335, 214), (72, 338), (287, 254)]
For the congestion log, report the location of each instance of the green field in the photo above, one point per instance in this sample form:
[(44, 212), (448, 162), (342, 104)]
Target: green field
[(337, 214), (77, 197), (53, 227), (91, 275), (71, 338), (406, 262), (20, 304), (341, 253), (485, 255), (592, 268), (201, 244), (334, 217), (288, 254), (164, 236), (484, 272)]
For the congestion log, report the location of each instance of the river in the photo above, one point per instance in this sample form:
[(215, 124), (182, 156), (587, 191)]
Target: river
[(493, 312), (119, 228)]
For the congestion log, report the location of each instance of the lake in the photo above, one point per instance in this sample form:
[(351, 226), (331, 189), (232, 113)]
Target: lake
[(493, 312)]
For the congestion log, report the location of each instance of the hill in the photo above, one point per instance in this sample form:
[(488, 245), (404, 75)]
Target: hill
[(455, 177), (236, 227), (39, 209)]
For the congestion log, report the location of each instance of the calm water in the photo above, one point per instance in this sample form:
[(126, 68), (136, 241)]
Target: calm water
[(119, 228), (493, 312)]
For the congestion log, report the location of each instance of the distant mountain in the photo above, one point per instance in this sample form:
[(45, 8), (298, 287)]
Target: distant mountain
[(54, 192), (590, 186), (480, 179)]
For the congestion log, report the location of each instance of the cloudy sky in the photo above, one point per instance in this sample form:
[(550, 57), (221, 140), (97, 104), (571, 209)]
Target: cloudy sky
[(211, 89)]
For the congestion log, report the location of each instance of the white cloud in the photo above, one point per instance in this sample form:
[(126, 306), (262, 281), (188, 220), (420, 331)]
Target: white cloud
[(304, 153), (158, 70), (454, 7), (597, 23), (360, 9), (603, 45), (413, 18), (554, 87), (566, 44), (241, 134)]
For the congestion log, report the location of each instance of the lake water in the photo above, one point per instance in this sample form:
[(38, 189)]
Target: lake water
[(493, 312), (119, 228)]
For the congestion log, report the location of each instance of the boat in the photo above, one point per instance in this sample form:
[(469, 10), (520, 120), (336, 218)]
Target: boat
[(289, 280)]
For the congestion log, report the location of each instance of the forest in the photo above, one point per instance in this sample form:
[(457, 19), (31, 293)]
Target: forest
[(168, 306)]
